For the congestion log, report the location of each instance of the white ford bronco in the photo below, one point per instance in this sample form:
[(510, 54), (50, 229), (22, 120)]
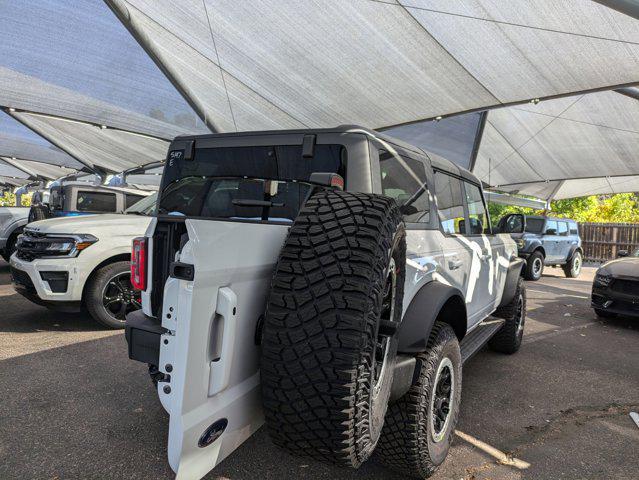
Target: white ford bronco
[(329, 283)]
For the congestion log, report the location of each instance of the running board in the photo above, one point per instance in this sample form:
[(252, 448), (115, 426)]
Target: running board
[(476, 339)]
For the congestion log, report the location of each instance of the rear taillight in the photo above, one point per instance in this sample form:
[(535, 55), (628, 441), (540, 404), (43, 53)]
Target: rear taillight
[(138, 263)]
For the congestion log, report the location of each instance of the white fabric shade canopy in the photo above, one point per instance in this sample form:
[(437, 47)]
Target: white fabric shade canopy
[(292, 63), (68, 69), (562, 148)]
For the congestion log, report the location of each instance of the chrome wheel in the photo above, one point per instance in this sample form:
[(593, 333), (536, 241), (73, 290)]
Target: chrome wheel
[(118, 296), (441, 400)]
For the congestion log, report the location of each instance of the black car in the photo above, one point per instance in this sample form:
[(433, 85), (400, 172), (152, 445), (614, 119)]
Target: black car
[(545, 241), (615, 290)]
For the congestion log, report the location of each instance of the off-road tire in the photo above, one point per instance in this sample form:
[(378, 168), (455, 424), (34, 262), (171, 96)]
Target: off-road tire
[(573, 268), (604, 314), (407, 444), (322, 323), (529, 270), (509, 337), (93, 294), (38, 212), (10, 247)]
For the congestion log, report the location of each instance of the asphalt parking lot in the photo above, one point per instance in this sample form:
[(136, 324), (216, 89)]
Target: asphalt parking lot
[(73, 406)]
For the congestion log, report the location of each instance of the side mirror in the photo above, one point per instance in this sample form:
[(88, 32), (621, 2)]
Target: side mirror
[(622, 253)]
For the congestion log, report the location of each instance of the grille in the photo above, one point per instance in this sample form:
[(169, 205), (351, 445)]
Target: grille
[(629, 287), (22, 279)]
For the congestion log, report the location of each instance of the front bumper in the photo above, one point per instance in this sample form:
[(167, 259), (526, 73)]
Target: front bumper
[(608, 300), (50, 282)]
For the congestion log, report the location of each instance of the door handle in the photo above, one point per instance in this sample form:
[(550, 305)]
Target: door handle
[(454, 264), (221, 367)]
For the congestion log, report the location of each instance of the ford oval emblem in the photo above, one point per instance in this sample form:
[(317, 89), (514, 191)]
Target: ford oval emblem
[(212, 433)]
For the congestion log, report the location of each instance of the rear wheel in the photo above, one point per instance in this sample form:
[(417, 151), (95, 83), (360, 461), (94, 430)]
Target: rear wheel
[(109, 295), (419, 427), (573, 268), (329, 339), (508, 339), (534, 266)]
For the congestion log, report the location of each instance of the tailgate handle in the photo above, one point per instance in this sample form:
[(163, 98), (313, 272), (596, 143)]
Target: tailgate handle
[(221, 367), (182, 271)]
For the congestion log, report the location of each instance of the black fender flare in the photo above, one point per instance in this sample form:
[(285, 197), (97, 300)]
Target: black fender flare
[(512, 277), (575, 248), (535, 245), (422, 312)]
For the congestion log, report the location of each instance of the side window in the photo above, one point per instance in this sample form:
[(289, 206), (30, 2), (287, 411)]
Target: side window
[(131, 200), (404, 180), (477, 214), (574, 230), (96, 202), (450, 204), (551, 227), (562, 228)]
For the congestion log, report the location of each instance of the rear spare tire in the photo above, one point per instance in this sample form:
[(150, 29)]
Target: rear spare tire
[(109, 295), (329, 339), (39, 212)]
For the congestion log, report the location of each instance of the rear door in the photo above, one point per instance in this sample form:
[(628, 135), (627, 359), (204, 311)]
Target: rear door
[(457, 267), (564, 244)]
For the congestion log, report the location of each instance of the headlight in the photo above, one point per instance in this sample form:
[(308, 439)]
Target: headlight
[(602, 280), (36, 245), (521, 243)]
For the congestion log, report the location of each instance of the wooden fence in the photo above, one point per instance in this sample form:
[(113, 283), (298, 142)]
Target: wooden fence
[(602, 241)]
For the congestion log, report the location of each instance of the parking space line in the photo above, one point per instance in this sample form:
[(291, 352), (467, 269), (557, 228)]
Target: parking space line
[(500, 456)]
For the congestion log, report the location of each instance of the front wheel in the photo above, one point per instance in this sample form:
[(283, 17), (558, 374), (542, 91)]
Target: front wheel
[(534, 266), (573, 268), (109, 295), (418, 428)]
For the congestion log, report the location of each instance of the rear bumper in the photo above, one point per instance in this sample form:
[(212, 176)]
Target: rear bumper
[(609, 301), (142, 335)]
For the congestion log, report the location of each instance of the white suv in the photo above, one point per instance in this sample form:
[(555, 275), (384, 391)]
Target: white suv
[(329, 283), (82, 261)]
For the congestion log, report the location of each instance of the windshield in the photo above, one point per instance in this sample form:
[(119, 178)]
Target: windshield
[(250, 183), (146, 206)]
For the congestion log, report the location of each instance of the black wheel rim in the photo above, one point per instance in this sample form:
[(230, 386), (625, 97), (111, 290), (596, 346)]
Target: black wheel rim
[(442, 399), (118, 296), (385, 330)]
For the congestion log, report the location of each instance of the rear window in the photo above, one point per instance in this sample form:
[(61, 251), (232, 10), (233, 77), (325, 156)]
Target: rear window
[(96, 202), (250, 183), (404, 180)]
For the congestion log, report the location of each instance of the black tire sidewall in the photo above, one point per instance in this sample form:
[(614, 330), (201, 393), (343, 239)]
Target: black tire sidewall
[(438, 451), (530, 272), (379, 407), (94, 290)]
